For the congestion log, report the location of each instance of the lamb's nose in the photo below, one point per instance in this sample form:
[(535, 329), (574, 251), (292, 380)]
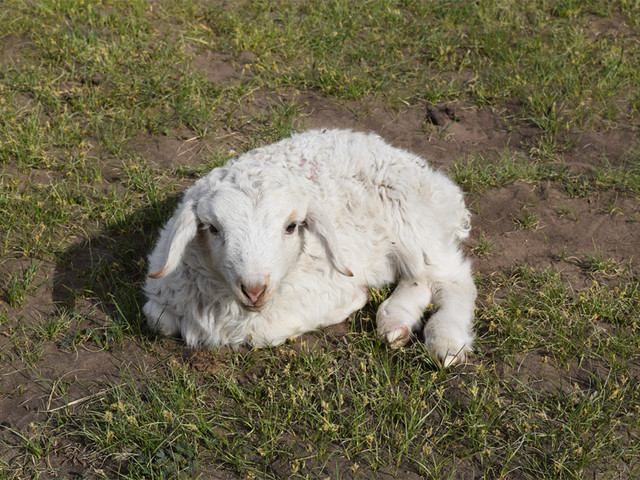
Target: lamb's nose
[(253, 292)]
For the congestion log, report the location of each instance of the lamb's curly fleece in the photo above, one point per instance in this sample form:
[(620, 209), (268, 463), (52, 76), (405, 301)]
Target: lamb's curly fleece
[(364, 214)]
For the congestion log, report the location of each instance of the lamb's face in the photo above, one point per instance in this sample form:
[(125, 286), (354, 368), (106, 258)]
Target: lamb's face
[(251, 240)]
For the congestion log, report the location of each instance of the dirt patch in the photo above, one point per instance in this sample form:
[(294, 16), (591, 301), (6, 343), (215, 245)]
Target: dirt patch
[(12, 49), (441, 134), (62, 380), (177, 148), (602, 26), (224, 69), (563, 230), (594, 150)]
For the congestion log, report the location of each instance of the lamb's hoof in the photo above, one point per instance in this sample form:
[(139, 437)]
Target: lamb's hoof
[(450, 360), (447, 348), (398, 336)]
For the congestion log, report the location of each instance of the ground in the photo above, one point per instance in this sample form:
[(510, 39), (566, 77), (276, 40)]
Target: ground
[(86, 391)]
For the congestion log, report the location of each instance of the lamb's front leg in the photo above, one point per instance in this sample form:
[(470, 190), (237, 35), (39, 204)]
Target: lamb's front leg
[(449, 331), (402, 312)]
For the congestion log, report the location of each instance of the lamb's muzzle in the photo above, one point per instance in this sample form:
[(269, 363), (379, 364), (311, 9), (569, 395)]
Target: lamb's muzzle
[(255, 296), (254, 293), (289, 237)]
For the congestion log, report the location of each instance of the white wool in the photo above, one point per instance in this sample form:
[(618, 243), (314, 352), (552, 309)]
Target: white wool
[(365, 214)]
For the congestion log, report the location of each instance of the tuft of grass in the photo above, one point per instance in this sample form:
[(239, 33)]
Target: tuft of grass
[(597, 263), (565, 211), (475, 174), (18, 285), (625, 178), (527, 220), (485, 246)]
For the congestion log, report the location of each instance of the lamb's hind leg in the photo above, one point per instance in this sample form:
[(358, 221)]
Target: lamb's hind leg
[(402, 312)]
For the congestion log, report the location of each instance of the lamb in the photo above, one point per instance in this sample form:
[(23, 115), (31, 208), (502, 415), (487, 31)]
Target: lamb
[(290, 237)]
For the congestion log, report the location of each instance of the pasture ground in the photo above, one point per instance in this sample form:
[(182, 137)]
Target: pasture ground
[(110, 109)]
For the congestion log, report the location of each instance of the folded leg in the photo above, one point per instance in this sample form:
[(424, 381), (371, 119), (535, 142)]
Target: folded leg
[(449, 331), (401, 313)]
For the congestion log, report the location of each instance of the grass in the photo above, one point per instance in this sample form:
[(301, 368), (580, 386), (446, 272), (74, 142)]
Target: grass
[(19, 285), (527, 219), (476, 173), (552, 390), (300, 411)]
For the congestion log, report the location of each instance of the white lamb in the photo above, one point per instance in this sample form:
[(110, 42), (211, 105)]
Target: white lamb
[(290, 237)]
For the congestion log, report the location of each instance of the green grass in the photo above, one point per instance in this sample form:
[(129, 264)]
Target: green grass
[(477, 173), (18, 285), (357, 406), (540, 301), (552, 390)]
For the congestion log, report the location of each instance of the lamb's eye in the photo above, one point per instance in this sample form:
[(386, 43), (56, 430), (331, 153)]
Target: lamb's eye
[(291, 228), (213, 230)]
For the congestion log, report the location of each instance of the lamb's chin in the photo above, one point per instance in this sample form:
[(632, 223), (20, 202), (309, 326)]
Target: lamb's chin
[(253, 308)]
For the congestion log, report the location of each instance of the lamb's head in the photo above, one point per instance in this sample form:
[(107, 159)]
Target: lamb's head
[(250, 239), (250, 235)]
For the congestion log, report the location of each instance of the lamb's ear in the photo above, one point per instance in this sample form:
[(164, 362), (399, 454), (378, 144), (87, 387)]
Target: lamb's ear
[(320, 224), (182, 228)]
